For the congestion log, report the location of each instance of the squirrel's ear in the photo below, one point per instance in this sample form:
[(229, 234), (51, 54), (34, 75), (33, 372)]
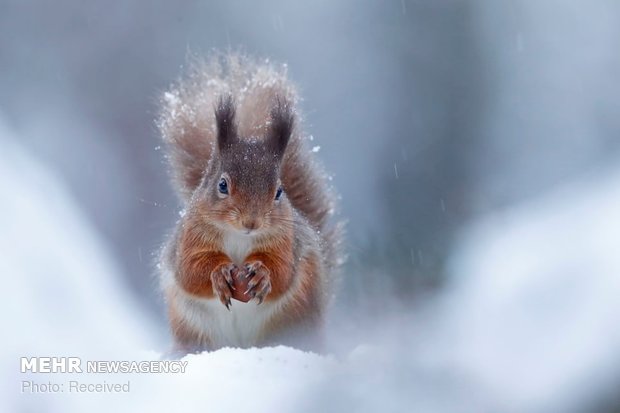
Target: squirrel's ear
[(225, 121), (282, 124)]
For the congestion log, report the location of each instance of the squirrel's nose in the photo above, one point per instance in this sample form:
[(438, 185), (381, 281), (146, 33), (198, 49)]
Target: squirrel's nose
[(251, 224)]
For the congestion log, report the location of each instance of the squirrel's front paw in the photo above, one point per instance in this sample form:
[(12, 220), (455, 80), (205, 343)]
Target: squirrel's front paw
[(222, 282), (260, 283)]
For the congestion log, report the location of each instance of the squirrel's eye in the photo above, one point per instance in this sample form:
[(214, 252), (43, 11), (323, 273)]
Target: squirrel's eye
[(223, 186), (278, 193)]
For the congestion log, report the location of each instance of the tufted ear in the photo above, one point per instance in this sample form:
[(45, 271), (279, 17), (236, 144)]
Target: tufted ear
[(225, 121), (282, 124)]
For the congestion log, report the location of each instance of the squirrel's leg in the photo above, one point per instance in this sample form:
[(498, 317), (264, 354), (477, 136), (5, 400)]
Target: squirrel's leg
[(206, 274)]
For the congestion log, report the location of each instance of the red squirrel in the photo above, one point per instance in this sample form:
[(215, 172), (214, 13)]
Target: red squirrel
[(257, 211)]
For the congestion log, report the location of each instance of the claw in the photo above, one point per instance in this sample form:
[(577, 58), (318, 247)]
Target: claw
[(259, 284), (230, 284), (253, 283), (263, 292), (229, 279), (223, 283)]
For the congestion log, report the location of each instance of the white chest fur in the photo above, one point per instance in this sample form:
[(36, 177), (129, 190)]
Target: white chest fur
[(237, 246)]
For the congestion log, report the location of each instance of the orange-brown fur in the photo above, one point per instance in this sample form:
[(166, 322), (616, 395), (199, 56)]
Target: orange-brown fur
[(233, 120), (201, 252)]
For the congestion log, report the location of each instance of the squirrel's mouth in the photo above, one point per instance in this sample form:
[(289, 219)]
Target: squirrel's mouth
[(248, 232)]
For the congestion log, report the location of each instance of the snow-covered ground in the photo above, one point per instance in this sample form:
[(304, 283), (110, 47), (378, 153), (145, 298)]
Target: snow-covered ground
[(529, 322)]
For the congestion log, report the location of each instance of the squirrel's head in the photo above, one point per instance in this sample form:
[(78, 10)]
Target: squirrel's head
[(243, 188)]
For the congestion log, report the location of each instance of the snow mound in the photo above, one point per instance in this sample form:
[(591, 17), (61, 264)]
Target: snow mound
[(63, 295), (236, 380), (537, 287)]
